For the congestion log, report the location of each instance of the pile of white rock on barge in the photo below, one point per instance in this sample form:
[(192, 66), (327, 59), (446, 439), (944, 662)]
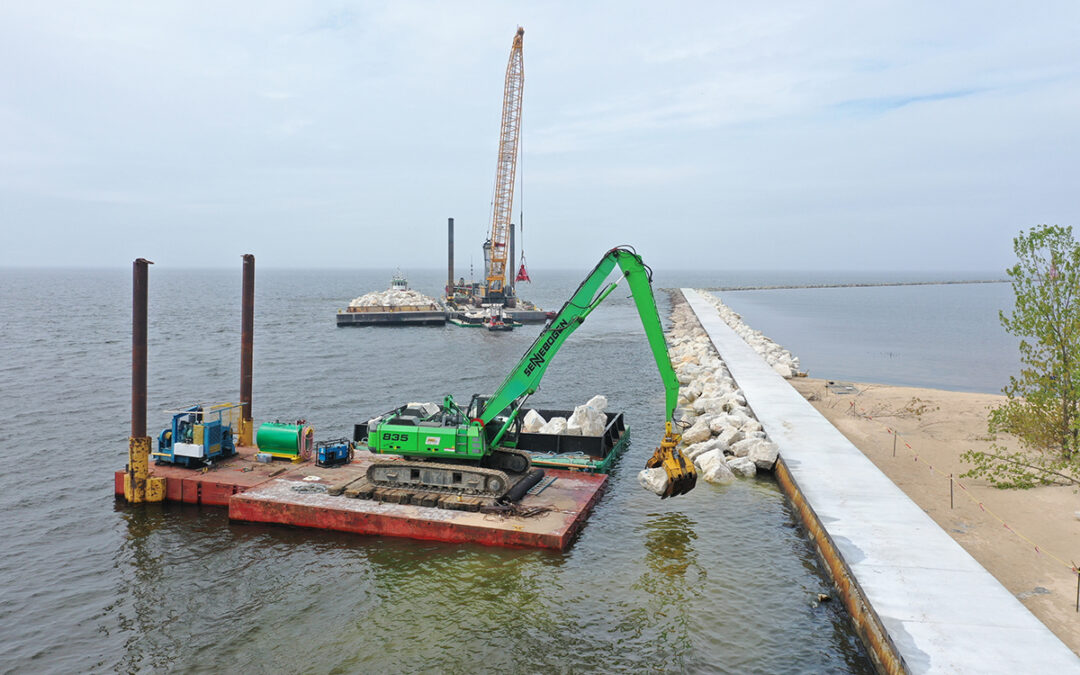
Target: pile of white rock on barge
[(395, 298), (586, 420), (724, 440)]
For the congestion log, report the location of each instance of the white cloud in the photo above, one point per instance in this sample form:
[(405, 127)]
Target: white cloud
[(941, 120)]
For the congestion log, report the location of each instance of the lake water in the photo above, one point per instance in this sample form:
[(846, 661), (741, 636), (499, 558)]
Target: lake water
[(943, 337), (721, 579)]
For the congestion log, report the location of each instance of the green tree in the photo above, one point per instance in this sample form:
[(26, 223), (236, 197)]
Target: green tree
[(1043, 406)]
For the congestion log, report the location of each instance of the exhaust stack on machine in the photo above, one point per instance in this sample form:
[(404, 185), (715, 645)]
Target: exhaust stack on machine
[(247, 328)]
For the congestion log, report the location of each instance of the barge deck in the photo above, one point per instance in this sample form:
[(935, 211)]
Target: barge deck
[(302, 494)]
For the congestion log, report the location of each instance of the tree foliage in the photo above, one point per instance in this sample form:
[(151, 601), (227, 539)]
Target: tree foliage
[(1043, 406)]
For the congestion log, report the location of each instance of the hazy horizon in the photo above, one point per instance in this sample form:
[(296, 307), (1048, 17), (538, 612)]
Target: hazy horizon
[(995, 274)]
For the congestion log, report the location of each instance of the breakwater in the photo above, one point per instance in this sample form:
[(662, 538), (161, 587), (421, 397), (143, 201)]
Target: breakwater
[(919, 602), (876, 284)]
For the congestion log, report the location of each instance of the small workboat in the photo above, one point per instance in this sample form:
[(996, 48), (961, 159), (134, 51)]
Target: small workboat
[(469, 319), (497, 322)]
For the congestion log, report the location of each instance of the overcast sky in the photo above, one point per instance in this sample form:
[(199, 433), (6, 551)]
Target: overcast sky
[(843, 136)]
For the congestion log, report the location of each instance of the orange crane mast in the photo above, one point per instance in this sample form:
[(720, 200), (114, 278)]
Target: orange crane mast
[(505, 168)]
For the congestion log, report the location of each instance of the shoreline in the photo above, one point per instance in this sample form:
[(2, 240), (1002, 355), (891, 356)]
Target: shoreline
[(999, 528)]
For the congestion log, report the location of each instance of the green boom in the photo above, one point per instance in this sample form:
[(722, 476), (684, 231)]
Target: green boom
[(524, 379)]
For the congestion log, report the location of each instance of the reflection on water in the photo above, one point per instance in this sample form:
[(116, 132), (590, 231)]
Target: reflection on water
[(669, 539), (669, 580)]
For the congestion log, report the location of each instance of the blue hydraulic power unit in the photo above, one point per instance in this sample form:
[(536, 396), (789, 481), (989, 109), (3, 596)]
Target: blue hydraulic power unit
[(333, 453)]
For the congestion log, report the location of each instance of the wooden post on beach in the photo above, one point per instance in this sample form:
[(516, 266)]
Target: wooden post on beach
[(950, 491), (894, 443)]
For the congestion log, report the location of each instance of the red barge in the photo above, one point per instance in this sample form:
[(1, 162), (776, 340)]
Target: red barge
[(302, 494)]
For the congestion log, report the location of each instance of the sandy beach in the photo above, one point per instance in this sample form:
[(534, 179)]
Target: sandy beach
[(939, 426)]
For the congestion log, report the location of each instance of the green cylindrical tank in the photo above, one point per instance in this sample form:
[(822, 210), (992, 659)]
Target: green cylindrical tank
[(283, 439)]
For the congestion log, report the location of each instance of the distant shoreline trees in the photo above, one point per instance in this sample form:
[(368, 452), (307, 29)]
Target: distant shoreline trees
[(1043, 406)]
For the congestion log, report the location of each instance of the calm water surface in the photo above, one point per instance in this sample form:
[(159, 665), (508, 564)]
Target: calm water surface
[(722, 579), (943, 337)]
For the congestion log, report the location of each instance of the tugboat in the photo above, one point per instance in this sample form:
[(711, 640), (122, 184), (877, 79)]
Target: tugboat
[(398, 282), (496, 322)]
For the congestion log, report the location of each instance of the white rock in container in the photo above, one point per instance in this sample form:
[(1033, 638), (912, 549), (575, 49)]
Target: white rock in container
[(392, 298), (653, 480), (533, 422), (598, 403), (555, 425), (742, 466), (585, 421)]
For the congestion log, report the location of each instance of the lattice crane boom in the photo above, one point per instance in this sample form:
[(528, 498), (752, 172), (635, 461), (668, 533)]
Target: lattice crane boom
[(506, 167)]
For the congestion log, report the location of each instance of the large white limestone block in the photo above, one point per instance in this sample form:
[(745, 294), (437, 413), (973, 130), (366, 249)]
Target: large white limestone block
[(764, 455), (533, 422), (598, 403), (555, 425), (714, 469), (743, 467), (697, 433), (585, 421), (653, 480)]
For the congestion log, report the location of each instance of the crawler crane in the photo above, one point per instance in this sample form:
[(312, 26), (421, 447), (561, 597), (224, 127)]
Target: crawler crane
[(495, 289)]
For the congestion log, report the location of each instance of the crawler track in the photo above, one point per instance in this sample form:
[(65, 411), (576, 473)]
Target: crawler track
[(451, 479)]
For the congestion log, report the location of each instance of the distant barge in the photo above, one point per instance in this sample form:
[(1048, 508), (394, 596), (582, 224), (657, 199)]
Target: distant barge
[(404, 316), (420, 316), (396, 306), (399, 306)]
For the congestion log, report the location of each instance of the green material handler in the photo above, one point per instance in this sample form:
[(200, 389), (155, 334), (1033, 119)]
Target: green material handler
[(472, 451)]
